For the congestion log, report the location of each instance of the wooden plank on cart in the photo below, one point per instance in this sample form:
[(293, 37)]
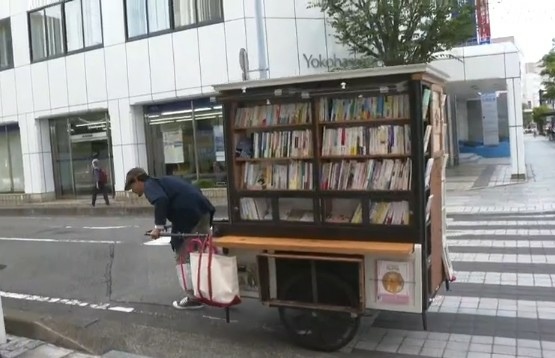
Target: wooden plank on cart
[(316, 246)]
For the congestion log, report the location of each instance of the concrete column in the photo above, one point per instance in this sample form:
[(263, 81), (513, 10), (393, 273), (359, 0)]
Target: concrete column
[(461, 112), (3, 338), (37, 156), (516, 134), (128, 139)]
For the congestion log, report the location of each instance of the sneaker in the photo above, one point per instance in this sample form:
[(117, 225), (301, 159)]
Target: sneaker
[(187, 304)]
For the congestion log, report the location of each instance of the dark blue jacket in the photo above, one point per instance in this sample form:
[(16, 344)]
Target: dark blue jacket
[(177, 201)]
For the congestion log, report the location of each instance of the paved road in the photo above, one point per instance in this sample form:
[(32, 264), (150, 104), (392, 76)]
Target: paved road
[(98, 275)]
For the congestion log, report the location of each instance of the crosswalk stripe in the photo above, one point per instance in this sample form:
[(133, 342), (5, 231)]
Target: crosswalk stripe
[(502, 258), (502, 223), (498, 232), (513, 244), (506, 278)]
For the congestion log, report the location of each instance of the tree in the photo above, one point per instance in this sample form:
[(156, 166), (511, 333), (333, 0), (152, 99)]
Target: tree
[(548, 74), (396, 32), (538, 114)]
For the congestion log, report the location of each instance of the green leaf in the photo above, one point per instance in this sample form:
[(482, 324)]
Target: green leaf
[(397, 32)]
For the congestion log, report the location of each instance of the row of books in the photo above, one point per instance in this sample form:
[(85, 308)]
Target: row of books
[(386, 139), (339, 211), (281, 144), (296, 175), (364, 108), (271, 115), (388, 174)]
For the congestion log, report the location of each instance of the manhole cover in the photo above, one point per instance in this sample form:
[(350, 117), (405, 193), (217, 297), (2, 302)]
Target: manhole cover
[(2, 267)]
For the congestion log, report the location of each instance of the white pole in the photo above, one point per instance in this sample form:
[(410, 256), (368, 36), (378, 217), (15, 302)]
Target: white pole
[(3, 338)]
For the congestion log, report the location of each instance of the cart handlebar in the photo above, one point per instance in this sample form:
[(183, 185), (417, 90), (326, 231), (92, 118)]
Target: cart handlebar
[(180, 235)]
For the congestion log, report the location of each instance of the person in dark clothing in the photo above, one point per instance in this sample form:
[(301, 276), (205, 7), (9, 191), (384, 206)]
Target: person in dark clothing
[(181, 203), (100, 180)]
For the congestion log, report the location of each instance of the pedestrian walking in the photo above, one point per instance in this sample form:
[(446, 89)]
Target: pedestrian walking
[(181, 203), (100, 181)]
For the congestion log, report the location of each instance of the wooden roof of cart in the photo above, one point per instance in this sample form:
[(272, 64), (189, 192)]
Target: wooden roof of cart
[(418, 71)]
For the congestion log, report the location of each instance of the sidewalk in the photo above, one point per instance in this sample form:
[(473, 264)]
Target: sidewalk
[(535, 194), (19, 347)]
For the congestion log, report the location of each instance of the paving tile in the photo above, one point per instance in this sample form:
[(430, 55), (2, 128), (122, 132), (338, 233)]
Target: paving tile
[(46, 350), (431, 352), (507, 350), (530, 352), (479, 347), (454, 354)]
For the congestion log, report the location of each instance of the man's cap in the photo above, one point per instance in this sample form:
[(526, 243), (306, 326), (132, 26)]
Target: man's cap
[(132, 175)]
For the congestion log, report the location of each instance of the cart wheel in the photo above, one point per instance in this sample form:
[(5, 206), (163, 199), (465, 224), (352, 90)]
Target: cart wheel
[(324, 331)]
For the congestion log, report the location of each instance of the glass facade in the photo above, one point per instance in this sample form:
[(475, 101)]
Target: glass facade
[(11, 160), (76, 141), (186, 139)]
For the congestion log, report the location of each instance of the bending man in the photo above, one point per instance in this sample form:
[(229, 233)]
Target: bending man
[(179, 202)]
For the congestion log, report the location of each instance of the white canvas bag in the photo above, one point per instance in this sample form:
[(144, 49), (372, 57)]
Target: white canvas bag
[(214, 276)]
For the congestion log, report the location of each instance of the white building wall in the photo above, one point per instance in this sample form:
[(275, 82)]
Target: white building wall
[(123, 75)]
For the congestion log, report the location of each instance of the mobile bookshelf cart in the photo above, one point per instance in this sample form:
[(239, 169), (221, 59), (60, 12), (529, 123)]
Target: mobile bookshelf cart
[(336, 195)]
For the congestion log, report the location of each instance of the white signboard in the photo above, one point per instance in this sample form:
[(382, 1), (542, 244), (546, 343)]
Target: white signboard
[(173, 146), (490, 119), (218, 131)]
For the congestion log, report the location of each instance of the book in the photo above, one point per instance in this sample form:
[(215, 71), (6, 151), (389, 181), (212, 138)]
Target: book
[(273, 115), (275, 144), (394, 106), (374, 174), (296, 175), (385, 139)]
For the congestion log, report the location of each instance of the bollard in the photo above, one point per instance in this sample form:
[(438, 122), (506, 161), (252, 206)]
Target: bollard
[(3, 338)]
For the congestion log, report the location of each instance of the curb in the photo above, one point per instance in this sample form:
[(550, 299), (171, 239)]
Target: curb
[(86, 211), (29, 325), (76, 211)]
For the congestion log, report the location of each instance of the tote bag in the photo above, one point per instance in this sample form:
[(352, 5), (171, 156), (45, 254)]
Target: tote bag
[(215, 278)]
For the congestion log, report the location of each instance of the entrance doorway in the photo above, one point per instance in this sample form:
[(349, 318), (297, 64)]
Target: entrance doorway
[(76, 141)]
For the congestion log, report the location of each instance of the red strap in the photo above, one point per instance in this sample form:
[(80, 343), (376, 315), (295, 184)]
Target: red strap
[(190, 248)]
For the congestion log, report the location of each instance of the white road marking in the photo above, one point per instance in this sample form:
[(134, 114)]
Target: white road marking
[(502, 243), (501, 232), (524, 223), (104, 227), (506, 278), (60, 240), (66, 301), (502, 258)]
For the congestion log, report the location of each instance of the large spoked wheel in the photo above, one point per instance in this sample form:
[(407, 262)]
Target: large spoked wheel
[(319, 330)]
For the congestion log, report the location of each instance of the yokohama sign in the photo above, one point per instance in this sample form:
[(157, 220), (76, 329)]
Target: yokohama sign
[(482, 16)]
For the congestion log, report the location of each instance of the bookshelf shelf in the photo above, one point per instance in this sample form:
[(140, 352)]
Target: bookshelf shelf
[(368, 122), (253, 160), (273, 127), (368, 156)]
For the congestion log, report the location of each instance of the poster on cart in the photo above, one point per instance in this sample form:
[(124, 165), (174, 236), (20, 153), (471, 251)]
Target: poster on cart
[(395, 282)]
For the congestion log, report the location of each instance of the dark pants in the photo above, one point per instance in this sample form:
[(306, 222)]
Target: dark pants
[(101, 189)]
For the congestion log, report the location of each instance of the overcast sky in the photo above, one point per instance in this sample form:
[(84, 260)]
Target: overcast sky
[(531, 22)]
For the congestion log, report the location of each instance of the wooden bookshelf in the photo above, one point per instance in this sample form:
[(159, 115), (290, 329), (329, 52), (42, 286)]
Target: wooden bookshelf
[(317, 160)]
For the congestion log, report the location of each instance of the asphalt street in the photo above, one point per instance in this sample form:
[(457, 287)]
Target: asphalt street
[(95, 280)]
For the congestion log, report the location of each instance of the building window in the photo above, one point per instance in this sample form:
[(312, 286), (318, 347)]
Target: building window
[(186, 139), (6, 50), (79, 20), (150, 17)]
